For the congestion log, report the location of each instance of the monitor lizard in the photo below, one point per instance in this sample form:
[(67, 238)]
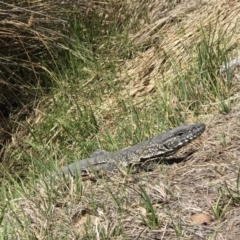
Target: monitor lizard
[(158, 147)]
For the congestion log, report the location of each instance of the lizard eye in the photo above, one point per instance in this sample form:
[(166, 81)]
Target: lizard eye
[(179, 134), (166, 146)]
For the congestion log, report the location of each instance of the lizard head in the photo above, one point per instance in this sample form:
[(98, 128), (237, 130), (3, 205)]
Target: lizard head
[(181, 136), (170, 142)]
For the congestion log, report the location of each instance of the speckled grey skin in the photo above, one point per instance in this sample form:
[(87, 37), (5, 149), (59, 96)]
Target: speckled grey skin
[(160, 146)]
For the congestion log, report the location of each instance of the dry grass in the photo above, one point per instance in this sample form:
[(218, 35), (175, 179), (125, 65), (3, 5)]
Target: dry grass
[(115, 207), (169, 36), (32, 33), (28, 35)]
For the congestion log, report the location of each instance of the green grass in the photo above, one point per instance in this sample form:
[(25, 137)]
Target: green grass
[(74, 123), (219, 209), (151, 218)]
